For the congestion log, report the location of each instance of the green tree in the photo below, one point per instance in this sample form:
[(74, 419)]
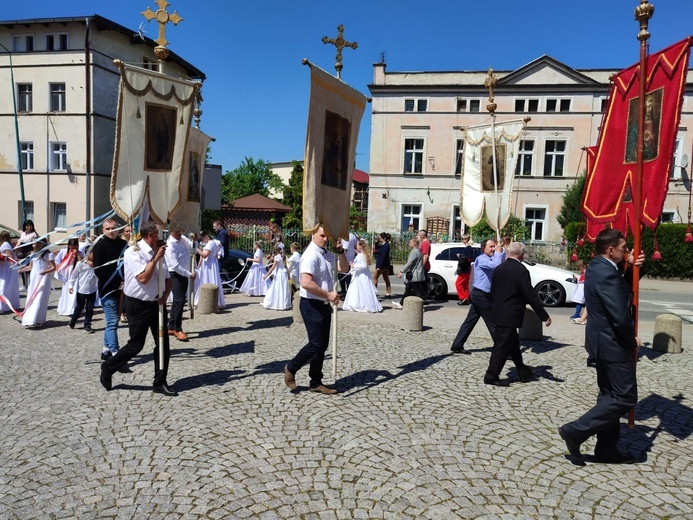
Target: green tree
[(249, 178), (572, 200), (292, 196), (515, 228)]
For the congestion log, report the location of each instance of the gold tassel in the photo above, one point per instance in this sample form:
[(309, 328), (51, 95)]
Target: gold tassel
[(138, 115)]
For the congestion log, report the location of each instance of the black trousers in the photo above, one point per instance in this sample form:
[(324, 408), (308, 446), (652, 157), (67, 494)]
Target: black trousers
[(179, 290), (317, 317), (618, 393), (142, 317), (506, 344), (480, 308), (414, 289), (83, 300)]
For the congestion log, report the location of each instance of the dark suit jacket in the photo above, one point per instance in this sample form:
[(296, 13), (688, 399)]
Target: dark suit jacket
[(610, 331), (511, 290)]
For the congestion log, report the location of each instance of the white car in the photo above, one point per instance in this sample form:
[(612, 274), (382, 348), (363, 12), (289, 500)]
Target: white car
[(553, 285)]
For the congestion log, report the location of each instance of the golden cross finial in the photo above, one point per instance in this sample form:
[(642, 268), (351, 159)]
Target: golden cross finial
[(340, 43), (489, 83), (162, 17)]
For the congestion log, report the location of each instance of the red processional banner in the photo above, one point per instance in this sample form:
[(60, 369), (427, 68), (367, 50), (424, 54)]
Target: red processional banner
[(607, 197)]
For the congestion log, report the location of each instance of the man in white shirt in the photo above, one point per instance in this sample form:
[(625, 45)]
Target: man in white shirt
[(349, 246), (178, 250), (142, 302), (317, 291)]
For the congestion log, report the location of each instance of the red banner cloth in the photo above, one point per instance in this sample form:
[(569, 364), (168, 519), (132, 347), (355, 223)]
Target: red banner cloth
[(607, 196)]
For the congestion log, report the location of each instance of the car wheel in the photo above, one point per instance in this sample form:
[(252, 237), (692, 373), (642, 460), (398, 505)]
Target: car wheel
[(437, 288), (550, 293)]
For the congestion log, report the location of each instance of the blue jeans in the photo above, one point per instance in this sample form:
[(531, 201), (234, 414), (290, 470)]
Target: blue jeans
[(110, 310)]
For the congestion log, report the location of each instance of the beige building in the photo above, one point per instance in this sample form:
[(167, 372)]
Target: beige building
[(66, 89), (418, 130)]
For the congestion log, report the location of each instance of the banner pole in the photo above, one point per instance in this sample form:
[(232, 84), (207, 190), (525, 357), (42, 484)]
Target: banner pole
[(490, 82), (334, 319), (191, 282)]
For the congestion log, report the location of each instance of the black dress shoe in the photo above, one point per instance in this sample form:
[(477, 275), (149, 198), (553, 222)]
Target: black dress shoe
[(125, 370), (164, 390), (573, 448), (614, 457), (496, 382), (460, 350), (106, 379)]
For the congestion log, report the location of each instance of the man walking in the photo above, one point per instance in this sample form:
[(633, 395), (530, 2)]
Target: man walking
[(142, 300), (511, 290), (317, 291), (610, 340), (425, 248), (223, 237), (105, 257), (480, 296), (178, 251)]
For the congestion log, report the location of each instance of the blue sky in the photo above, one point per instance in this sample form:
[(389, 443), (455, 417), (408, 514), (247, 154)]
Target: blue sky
[(256, 92)]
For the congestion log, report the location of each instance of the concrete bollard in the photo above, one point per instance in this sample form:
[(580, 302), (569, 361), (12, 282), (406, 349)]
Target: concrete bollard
[(668, 334), (532, 328), (209, 294), (295, 311), (412, 313)]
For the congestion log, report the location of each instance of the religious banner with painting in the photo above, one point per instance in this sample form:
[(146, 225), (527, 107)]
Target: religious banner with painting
[(334, 117), (187, 214), (608, 196), (482, 193), (152, 126)]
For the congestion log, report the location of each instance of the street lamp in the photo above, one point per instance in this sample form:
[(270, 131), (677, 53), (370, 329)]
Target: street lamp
[(16, 133)]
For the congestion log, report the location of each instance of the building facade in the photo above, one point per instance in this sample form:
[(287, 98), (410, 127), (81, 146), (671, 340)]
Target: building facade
[(66, 89), (417, 143)]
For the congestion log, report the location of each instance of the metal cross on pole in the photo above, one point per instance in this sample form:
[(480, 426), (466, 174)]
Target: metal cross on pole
[(489, 83), (162, 17), (340, 43)]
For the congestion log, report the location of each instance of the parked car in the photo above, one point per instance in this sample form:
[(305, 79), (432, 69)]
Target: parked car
[(552, 284), (233, 272), (14, 234)]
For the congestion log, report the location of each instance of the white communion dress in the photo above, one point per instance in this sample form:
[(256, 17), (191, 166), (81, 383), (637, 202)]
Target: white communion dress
[(9, 279), (278, 295), (38, 292), (67, 302), (361, 295), (208, 272), (254, 285)]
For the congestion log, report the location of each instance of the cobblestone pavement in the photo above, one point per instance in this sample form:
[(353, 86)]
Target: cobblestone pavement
[(413, 434)]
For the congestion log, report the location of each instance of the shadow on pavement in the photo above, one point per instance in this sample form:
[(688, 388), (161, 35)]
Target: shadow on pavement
[(217, 378), (542, 372), (539, 347)]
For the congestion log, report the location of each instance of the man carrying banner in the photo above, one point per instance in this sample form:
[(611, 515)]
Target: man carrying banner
[(178, 252)]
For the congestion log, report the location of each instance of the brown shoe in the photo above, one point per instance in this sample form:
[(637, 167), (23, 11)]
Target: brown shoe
[(322, 389), (289, 378), (180, 335), (171, 332)]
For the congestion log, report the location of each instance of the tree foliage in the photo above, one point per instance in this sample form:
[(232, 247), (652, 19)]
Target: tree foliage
[(249, 178), (572, 200), (293, 197), (516, 228)]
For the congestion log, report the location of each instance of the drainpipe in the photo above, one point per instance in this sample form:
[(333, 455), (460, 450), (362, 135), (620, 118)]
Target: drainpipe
[(87, 93)]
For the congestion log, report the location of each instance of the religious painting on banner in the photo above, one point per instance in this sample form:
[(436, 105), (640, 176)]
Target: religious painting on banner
[(480, 196), (152, 127), (334, 117), (608, 189)]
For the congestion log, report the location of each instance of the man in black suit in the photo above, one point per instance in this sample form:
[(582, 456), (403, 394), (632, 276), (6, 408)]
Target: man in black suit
[(610, 340), (511, 290)]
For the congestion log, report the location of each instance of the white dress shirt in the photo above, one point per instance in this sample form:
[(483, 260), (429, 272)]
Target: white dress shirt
[(84, 276), (178, 255), (135, 263), (317, 262)]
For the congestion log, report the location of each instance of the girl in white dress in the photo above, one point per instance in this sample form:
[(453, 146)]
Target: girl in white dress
[(208, 268), (279, 293), (65, 262), (294, 267), (9, 278), (361, 295), (255, 283), (39, 290)]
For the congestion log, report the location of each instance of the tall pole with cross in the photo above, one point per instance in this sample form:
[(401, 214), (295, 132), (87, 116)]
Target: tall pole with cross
[(162, 17), (340, 43)]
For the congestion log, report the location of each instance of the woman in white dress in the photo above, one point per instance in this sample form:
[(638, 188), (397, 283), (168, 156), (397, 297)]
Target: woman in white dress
[(255, 283), (294, 267), (278, 295), (36, 308), (208, 267), (65, 262), (9, 278), (361, 295)]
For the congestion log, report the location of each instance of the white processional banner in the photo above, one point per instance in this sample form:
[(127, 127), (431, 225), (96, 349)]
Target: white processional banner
[(187, 214), (479, 195), (152, 125), (334, 117)]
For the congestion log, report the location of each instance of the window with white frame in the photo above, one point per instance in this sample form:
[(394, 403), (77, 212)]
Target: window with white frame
[(536, 222), (459, 156), (29, 210), (524, 158), (668, 217), (57, 97), (526, 105), (558, 105), (411, 217), (23, 43), (415, 105), (58, 156), (413, 155), (59, 215), (554, 158), (468, 105), (27, 155), (457, 225), (25, 97), (148, 64), (56, 42), (675, 172)]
